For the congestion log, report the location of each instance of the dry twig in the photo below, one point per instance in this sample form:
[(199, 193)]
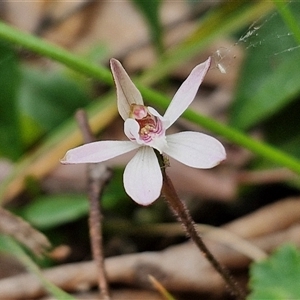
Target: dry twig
[(23, 232), (98, 175), (164, 265)]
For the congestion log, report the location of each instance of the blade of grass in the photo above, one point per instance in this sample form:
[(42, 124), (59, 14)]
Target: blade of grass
[(9, 246), (59, 54), (160, 288)]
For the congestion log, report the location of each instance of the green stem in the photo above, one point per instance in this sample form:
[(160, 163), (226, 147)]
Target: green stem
[(237, 137), (77, 63), (54, 52), (288, 18)]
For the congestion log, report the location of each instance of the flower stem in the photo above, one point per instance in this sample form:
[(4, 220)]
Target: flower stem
[(183, 215)]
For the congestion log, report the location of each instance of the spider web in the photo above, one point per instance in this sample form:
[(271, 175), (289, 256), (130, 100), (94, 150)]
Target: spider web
[(268, 34)]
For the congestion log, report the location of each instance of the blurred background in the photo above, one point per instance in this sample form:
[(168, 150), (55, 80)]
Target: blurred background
[(253, 86)]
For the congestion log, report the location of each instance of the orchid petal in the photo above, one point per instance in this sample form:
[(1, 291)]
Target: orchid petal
[(131, 130), (97, 152), (143, 177), (159, 143), (127, 93), (195, 149), (187, 92), (154, 112)]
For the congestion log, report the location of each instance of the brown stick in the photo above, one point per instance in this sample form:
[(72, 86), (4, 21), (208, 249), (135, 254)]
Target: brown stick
[(198, 280), (98, 175)]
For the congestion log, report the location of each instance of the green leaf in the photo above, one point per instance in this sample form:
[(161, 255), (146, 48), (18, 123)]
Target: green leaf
[(282, 130), (270, 76), (10, 142), (9, 246), (51, 211), (277, 277), (289, 18), (46, 100), (150, 10)]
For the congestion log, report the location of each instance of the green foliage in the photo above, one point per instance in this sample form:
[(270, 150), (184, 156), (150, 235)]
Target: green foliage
[(10, 143), (282, 130), (33, 102), (150, 10), (51, 211), (46, 100), (269, 84), (270, 77), (277, 277), (290, 19)]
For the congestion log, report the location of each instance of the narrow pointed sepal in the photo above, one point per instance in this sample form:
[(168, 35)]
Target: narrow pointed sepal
[(127, 93)]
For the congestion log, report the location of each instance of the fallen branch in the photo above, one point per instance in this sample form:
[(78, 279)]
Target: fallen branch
[(195, 275)]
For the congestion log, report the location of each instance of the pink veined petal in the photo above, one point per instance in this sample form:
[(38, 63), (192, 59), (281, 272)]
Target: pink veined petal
[(131, 129), (127, 93), (187, 92), (195, 149), (97, 152), (155, 113), (142, 177)]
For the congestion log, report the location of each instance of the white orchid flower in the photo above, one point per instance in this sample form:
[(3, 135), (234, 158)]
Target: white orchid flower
[(146, 131)]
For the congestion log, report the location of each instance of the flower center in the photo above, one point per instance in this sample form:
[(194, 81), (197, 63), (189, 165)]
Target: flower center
[(150, 126)]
